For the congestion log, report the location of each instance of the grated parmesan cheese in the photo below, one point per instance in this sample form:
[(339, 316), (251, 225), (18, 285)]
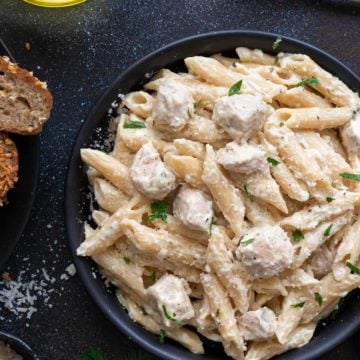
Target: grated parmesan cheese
[(21, 298)]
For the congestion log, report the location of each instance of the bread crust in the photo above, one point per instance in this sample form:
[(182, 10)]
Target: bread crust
[(9, 165), (16, 72)]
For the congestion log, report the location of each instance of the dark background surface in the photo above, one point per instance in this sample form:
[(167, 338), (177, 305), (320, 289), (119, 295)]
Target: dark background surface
[(79, 51)]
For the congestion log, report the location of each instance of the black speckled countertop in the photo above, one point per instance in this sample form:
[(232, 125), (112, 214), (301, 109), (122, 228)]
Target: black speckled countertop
[(79, 51)]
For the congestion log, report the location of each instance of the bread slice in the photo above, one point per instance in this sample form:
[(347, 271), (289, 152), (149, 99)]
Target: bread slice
[(25, 101), (9, 164)]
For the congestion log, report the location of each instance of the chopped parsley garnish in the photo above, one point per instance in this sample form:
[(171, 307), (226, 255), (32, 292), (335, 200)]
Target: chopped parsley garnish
[(350, 176), (297, 235), (211, 225), (134, 125), (197, 104), (318, 298), (329, 199), (158, 210), (92, 355), (162, 336), (354, 269), (189, 113), (298, 305), (127, 259), (152, 277), (327, 230), (312, 82), (247, 242), (248, 193), (276, 60), (281, 124), (138, 355), (235, 89), (171, 318), (336, 311), (272, 161), (276, 43)]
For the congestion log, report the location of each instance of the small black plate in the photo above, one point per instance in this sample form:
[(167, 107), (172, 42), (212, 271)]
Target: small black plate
[(18, 346), (77, 202), (14, 216)]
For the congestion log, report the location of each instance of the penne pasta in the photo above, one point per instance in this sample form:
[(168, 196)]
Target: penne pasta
[(140, 103), (227, 197), (299, 97), (328, 85), (232, 189), (315, 117), (223, 314)]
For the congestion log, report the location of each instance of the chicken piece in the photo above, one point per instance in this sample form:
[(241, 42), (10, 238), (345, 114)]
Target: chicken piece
[(265, 251), (150, 175), (351, 135), (170, 296), (174, 105), (193, 208), (9, 164), (259, 325), (241, 116), (321, 261), (242, 159)]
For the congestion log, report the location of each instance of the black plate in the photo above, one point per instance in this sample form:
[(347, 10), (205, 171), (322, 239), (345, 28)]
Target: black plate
[(14, 216), (76, 202), (18, 346)]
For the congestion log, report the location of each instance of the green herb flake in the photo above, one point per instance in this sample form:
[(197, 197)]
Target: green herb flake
[(171, 318), (327, 230), (197, 104), (162, 336), (336, 311), (247, 242), (152, 277), (313, 81), (272, 161), (211, 226), (276, 60), (248, 193), (127, 259), (329, 199), (158, 210), (350, 176), (298, 305), (354, 269), (134, 125), (235, 89), (189, 113), (297, 236), (92, 355), (276, 43), (281, 124), (318, 298)]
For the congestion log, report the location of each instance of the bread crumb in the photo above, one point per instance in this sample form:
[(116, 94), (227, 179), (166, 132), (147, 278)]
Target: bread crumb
[(6, 277), (27, 46)]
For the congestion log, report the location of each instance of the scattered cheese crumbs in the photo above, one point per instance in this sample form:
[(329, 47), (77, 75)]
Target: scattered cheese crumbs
[(71, 270), (22, 298), (6, 353), (49, 226), (28, 46)]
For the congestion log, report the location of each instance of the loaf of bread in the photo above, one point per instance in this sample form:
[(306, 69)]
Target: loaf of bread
[(25, 101), (8, 165)]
